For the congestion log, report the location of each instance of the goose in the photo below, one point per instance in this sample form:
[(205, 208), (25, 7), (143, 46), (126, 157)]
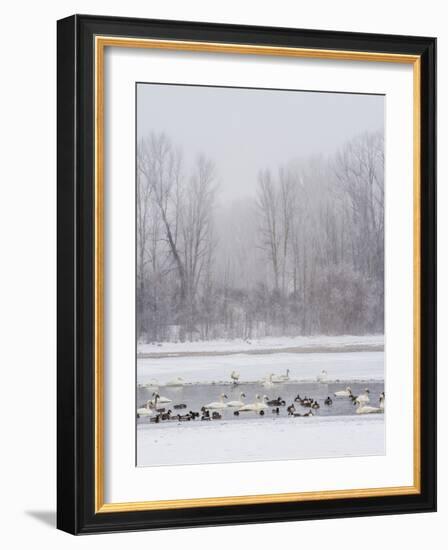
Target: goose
[(216, 415), (238, 404), (309, 413), (363, 398), (175, 382), (344, 393), (180, 406), (291, 410), (366, 409), (382, 399), (235, 376), (322, 377), (315, 405), (280, 378), (328, 401), (218, 404)]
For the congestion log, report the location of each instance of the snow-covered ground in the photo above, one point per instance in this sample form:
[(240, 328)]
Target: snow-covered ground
[(260, 439), (307, 343), (349, 366)]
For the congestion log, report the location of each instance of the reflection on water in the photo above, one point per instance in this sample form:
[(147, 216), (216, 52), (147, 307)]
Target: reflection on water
[(194, 396)]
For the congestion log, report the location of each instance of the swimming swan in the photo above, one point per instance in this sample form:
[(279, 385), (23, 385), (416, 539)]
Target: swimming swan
[(367, 409), (279, 378), (218, 404), (322, 377), (159, 399), (267, 382), (237, 403), (363, 398), (146, 410), (344, 393), (257, 406)]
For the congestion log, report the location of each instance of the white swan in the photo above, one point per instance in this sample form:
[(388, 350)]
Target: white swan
[(267, 382), (237, 403), (235, 376), (176, 382), (344, 393), (322, 377), (363, 398), (159, 399), (218, 404), (147, 410), (257, 406), (280, 378), (367, 409)]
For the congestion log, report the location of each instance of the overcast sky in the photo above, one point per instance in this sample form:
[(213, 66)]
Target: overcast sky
[(244, 131)]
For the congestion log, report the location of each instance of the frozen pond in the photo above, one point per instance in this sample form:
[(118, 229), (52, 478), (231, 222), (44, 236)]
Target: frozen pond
[(333, 431)]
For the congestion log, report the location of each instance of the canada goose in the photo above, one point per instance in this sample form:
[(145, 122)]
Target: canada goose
[(309, 413), (315, 405), (155, 419), (276, 411), (291, 409), (328, 401), (344, 393), (218, 404), (235, 376), (382, 400), (166, 416), (216, 415), (180, 406), (194, 415), (183, 417), (238, 404)]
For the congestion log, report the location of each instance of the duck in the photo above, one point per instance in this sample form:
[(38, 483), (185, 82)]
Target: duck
[(322, 377), (218, 404), (328, 401), (175, 382), (280, 378), (279, 402), (344, 393), (237, 403), (235, 376), (363, 398)]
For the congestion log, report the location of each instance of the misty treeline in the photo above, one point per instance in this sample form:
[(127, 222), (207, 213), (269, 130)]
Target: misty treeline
[(303, 255)]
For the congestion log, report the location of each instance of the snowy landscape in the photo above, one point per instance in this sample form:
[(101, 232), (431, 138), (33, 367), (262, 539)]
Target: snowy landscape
[(259, 275)]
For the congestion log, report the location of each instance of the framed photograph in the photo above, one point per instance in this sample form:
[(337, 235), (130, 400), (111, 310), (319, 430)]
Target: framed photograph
[(246, 274)]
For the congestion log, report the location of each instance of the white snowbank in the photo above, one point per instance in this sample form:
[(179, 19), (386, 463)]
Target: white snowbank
[(260, 439), (279, 343), (303, 367)]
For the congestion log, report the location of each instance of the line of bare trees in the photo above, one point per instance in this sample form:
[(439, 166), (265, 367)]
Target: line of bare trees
[(305, 255)]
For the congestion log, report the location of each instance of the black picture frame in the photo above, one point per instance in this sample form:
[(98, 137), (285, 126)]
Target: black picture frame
[(76, 263)]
